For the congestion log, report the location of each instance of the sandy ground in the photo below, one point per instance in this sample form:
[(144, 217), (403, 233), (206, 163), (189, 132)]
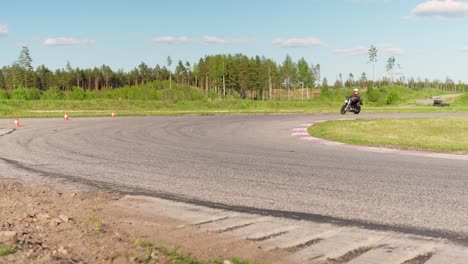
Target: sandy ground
[(46, 225)]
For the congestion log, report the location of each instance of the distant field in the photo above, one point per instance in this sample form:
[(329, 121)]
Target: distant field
[(431, 134)]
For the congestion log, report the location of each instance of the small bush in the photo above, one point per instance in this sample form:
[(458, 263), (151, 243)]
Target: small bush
[(372, 94), (325, 91), (90, 95), (212, 95), (34, 94), (393, 97), (4, 95), (19, 94), (53, 94), (76, 94)]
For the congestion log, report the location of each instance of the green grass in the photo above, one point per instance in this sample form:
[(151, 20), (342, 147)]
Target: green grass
[(179, 258), (9, 108), (462, 100), (176, 257), (427, 134), (6, 250), (386, 99), (95, 223), (143, 243)]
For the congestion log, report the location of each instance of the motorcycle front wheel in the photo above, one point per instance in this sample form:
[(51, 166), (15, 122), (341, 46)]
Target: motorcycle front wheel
[(343, 110)]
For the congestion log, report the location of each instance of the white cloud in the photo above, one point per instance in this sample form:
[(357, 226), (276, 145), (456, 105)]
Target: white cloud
[(68, 42), (213, 40), (446, 8), (392, 50), (184, 40), (352, 51), (216, 40), (3, 29), (465, 49), (169, 40), (297, 42)]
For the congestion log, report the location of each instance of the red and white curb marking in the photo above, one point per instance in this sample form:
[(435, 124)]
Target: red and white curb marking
[(302, 133)]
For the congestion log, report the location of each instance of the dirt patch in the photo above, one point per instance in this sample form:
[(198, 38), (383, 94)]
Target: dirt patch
[(46, 225)]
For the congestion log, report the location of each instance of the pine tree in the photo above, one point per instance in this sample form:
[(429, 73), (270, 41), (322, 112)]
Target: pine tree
[(304, 76), (25, 63), (2, 81), (390, 66), (363, 79), (187, 68), (169, 63), (372, 59), (287, 73)]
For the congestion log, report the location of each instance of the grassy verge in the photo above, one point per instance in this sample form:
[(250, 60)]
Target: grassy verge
[(431, 134), (139, 102), (10, 108)]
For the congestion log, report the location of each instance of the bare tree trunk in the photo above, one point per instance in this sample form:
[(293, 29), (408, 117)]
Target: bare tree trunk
[(96, 84), (269, 83), (224, 85), (206, 84), (302, 93), (14, 79), (274, 93)]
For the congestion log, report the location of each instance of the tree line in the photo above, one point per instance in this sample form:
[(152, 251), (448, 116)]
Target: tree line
[(219, 74), (214, 75)]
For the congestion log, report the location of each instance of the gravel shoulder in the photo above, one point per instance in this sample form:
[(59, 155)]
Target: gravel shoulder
[(44, 225)]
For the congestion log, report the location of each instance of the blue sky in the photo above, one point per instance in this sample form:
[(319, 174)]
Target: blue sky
[(427, 38)]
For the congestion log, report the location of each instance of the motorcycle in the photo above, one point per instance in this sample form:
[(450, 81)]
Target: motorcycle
[(349, 106)]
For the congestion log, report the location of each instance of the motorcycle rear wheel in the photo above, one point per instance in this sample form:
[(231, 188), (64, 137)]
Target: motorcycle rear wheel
[(357, 110)]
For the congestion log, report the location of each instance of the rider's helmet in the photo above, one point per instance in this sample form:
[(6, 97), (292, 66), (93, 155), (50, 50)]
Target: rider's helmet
[(356, 90)]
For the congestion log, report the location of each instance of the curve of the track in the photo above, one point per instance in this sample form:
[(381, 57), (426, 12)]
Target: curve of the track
[(248, 163)]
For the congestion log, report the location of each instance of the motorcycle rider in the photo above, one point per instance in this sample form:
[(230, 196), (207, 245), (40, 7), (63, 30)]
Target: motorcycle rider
[(355, 97)]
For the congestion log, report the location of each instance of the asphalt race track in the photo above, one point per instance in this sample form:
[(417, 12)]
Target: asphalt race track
[(247, 163)]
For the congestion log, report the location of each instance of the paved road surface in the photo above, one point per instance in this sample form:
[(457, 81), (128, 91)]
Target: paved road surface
[(246, 163)]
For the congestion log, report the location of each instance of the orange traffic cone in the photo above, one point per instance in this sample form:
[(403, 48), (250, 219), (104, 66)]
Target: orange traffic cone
[(113, 115), (17, 124), (65, 117)]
